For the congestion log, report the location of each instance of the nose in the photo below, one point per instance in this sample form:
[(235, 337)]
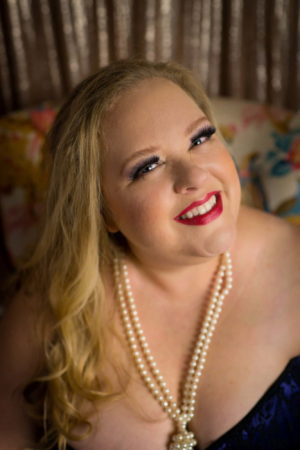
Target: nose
[(189, 178)]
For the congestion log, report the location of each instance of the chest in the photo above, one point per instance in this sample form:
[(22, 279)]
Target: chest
[(249, 349)]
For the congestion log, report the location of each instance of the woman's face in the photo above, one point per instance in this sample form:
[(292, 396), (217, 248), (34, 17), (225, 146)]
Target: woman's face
[(162, 161)]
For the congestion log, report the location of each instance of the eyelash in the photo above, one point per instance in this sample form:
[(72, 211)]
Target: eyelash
[(143, 168), (206, 133)]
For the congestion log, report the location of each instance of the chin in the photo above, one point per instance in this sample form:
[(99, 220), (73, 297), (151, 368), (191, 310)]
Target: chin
[(219, 242)]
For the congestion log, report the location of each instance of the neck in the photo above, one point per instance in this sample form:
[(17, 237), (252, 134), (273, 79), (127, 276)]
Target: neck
[(173, 283)]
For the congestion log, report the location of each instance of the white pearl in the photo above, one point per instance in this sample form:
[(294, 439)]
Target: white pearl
[(144, 360)]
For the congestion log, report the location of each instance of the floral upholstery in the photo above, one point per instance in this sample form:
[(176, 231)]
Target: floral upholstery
[(22, 182), (264, 142)]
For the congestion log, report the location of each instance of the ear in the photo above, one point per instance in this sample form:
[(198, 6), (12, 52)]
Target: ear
[(109, 222), (112, 228)]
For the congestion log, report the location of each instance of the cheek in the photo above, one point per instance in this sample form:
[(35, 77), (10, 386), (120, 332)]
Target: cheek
[(140, 208), (228, 167), (225, 170), (233, 179)]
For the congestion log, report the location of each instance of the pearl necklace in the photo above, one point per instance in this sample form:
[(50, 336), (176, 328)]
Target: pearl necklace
[(145, 363)]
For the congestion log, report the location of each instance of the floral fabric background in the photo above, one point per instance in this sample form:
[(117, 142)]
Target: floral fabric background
[(264, 142)]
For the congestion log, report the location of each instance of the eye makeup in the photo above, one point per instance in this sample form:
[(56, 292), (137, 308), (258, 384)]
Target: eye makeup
[(203, 135), (143, 167), (147, 165)]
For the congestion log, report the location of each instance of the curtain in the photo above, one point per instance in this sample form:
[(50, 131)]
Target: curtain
[(246, 49)]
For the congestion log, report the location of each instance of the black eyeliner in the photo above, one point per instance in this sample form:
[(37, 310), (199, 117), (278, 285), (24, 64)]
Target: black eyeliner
[(207, 131), (133, 174)]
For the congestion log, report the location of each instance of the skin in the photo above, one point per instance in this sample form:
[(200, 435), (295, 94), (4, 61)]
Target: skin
[(156, 115), (171, 267)]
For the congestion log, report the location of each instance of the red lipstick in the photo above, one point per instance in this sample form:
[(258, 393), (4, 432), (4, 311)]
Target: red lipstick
[(202, 219)]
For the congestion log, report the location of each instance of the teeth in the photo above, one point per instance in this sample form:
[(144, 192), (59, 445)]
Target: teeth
[(200, 210)]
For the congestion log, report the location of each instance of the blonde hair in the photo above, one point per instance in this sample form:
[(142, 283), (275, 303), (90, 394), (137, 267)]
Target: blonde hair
[(67, 266)]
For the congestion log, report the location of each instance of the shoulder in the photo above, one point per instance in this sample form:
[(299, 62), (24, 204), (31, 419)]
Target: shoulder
[(273, 237), (272, 247)]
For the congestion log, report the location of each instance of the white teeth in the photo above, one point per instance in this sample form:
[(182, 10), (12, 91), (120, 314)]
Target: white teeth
[(200, 210)]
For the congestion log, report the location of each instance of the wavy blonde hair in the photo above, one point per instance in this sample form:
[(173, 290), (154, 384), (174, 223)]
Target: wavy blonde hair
[(67, 266)]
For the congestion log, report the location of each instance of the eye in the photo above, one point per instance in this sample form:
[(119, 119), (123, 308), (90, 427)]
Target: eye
[(144, 167), (203, 136)]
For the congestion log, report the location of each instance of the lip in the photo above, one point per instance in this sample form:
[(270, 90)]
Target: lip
[(205, 218)]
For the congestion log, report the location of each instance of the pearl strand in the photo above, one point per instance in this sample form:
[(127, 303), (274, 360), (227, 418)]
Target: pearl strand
[(146, 364)]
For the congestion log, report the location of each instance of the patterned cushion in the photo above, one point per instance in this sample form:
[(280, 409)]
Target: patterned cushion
[(22, 182), (265, 143)]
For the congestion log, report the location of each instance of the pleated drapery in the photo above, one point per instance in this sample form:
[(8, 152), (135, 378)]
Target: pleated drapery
[(240, 48)]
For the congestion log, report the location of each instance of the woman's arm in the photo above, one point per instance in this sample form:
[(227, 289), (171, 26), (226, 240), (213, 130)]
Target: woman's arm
[(19, 355)]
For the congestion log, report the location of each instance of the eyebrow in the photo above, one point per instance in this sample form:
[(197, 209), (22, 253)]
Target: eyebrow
[(146, 151), (195, 124)]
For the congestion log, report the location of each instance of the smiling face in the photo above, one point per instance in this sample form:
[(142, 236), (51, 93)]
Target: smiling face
[(162, 163)]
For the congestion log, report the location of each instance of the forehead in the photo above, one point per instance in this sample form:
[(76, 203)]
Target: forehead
[(148, 107)]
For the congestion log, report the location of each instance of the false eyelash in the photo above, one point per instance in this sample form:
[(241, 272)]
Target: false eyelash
[(136, 170), (207, 131)]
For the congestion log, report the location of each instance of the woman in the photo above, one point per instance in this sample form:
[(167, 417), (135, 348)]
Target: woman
[(165, 310)]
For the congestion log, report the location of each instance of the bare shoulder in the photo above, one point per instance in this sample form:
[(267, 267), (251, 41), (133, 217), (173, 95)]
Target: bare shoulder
[(20, 357), (273, 247), (277, 237)]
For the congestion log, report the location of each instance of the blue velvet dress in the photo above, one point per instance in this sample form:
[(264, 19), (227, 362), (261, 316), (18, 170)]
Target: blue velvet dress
[(274, 422)]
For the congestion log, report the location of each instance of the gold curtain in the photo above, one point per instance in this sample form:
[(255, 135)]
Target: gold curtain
[(240, 48)]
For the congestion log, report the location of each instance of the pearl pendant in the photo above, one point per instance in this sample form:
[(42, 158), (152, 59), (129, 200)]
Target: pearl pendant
[(185, 440)]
